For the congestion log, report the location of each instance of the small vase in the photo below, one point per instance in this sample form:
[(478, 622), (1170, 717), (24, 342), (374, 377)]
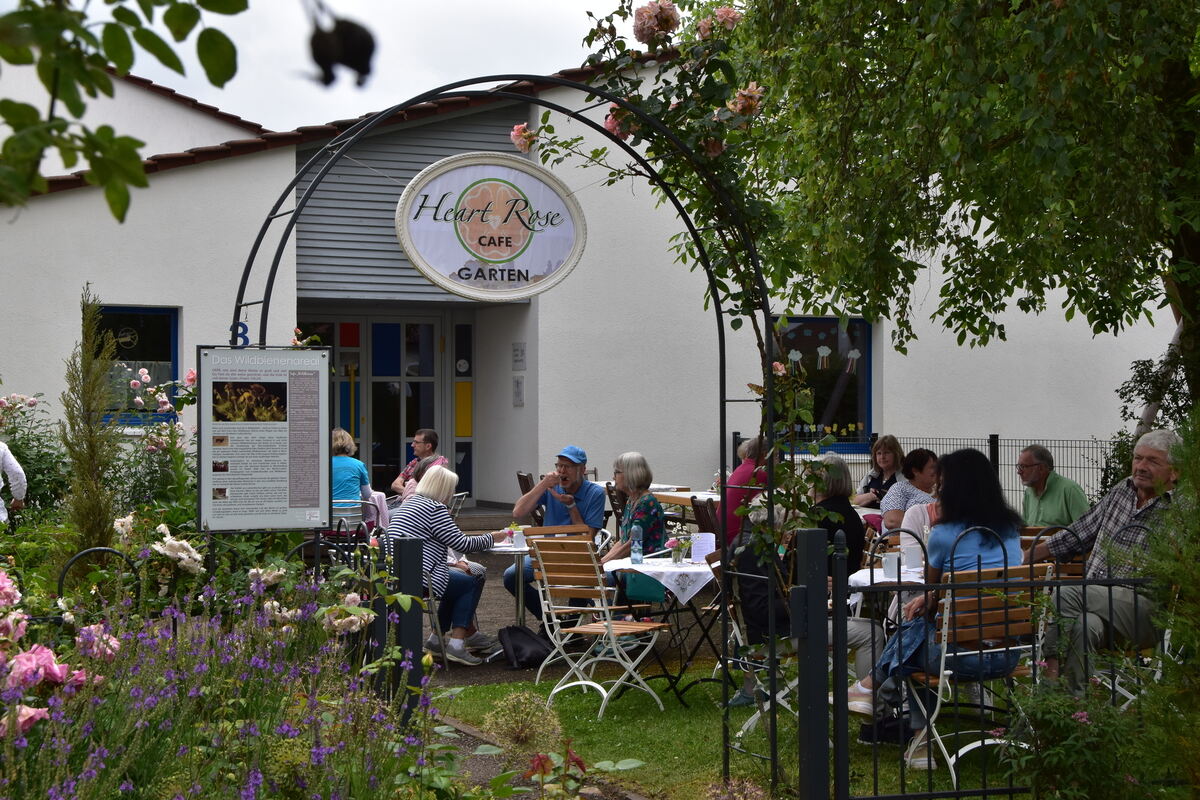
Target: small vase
[(677, 555)]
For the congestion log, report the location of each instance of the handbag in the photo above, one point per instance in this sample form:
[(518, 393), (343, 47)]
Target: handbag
[(523, 648), (909, 648)]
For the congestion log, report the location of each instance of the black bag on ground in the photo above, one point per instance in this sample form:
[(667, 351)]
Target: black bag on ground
[(523, 648)]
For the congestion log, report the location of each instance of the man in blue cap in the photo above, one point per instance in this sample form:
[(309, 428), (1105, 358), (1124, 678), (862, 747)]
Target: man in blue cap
[(569, 499)]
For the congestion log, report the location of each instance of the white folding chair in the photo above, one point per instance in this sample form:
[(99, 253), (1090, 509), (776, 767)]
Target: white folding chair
[(569, 569)]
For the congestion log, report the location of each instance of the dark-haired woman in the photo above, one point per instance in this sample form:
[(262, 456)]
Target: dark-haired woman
[(970, 496), (920, 468)]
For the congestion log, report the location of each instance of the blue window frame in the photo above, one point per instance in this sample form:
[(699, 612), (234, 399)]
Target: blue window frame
[(146, 338), (836, 357)]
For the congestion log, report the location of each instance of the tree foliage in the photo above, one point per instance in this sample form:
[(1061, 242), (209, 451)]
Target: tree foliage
[(75, 53), (1036, 150)]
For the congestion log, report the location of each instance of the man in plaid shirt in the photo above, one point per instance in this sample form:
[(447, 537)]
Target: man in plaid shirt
[(1116, 532)]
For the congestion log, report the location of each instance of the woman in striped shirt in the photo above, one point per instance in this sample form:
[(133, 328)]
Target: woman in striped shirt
[(425, 515)]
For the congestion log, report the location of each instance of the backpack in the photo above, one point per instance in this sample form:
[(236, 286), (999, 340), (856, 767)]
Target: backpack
[(523, 648)]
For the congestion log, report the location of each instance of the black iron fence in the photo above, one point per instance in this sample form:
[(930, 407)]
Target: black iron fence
[(883, 701)]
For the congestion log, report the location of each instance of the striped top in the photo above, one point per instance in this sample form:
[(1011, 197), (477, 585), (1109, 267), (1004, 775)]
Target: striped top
[(430, 520)]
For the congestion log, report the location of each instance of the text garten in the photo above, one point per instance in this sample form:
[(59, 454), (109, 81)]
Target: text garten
[(517, 209), (509, 274)]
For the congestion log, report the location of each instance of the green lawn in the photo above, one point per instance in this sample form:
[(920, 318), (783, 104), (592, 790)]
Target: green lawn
[(682, 746)]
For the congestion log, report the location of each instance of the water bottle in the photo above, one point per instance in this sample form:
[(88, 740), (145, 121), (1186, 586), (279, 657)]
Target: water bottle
[(635, 544)]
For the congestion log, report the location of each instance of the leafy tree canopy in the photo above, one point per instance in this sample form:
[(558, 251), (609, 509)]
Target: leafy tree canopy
[(75, 54)]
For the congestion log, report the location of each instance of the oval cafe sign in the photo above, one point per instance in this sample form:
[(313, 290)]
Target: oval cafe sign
[(490, 226)]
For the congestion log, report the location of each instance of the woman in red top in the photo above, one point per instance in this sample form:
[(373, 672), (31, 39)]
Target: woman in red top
[(745, 483)]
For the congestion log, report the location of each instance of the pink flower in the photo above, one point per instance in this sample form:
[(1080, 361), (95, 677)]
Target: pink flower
[(1081, 717), (295, 342), (704, 28), (3, 402), (712, 147), (139, 402), (618, 122), (654, 22), (93, 642), (35, 665), (145, 373), (778, 368), (189, 379), (672, 543), (522, 137), (748, 101), (26, 717), (135, 384), (297, 331), (728, 18), (9, 594), (31, 402), (12, 625)]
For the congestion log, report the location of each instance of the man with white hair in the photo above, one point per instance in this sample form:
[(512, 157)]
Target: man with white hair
[(1116, 531)]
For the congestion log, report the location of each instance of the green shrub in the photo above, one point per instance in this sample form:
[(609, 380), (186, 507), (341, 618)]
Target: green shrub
[(92, 443), (522, 723)]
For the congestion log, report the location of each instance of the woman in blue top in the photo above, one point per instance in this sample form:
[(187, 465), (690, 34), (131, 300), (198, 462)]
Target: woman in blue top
[(970, 497), (350, 481)]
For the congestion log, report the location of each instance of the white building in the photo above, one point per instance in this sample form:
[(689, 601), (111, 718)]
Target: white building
[(620, 356)]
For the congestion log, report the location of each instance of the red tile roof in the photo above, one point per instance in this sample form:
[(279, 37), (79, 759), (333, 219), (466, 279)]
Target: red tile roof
[(268, 140)]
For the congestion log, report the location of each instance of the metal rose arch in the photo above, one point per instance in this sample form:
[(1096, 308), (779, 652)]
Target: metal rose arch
[(651, 128)]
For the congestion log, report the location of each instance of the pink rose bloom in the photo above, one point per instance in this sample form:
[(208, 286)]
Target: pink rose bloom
[(712, 147), (12, 625), (704, 28), (1082, 717), (617, 122), (778, 368), (26, 717), (93, 642), (728, 18), (522, 137), (3, 402), (748, 101), (139, 402), (9, 594), (135, 384), (672, 543), (26, 669), (189, 379), (655, 21), (31, 402)]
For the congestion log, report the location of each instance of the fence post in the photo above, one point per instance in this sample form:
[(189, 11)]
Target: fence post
[(737, 440), (994, 451), (405, 570), (841, 722), (808, 615)]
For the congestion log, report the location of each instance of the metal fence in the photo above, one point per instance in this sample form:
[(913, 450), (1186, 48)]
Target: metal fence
[(1081, 460), (854, 746)]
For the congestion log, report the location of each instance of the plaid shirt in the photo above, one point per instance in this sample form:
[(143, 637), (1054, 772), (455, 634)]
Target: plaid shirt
[(1118, 550)]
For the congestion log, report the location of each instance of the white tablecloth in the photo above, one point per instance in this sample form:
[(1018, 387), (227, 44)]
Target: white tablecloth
[(682, 580)]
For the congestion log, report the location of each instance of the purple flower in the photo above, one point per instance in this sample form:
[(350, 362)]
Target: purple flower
[(253, 781), (126, 786), (1081, 717), (287, 730)]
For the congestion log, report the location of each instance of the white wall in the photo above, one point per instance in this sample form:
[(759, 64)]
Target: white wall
[(165, 125), (505, 437), (1051, 379), (183, 245)]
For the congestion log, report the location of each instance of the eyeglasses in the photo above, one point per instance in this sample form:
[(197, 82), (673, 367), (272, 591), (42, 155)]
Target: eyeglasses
[(618, 472), (1023, 467)]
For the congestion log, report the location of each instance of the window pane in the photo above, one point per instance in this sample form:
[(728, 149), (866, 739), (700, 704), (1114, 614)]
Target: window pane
[(419, 408), (418, 350), (835, 363), (385, 433), (145, 339)]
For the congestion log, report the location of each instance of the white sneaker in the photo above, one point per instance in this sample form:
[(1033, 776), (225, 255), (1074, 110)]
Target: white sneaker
[(920, 758), (462, 656), (860, 702)]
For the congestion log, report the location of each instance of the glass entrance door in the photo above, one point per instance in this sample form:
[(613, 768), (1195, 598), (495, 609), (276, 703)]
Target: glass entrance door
[(403, 392)]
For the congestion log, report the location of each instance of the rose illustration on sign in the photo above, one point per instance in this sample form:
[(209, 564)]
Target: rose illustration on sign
[(490, 226), (500, 235)]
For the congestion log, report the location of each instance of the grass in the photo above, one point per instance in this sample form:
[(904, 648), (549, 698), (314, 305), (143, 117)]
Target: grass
[(682, 746)]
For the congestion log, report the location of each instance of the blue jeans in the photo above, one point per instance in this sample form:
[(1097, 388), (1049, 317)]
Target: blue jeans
[(533, 603), (912, 649), (456, 606)]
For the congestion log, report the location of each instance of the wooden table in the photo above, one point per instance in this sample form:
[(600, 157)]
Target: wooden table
[(684, 497)]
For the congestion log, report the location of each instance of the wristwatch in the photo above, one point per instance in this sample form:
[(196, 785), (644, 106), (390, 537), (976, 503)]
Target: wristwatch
[(568, 507)]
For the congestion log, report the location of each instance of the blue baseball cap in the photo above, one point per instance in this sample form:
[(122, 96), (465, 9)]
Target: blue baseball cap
[(573, 453)]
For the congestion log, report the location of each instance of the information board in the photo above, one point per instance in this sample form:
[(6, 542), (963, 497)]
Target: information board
[(264, 438)]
